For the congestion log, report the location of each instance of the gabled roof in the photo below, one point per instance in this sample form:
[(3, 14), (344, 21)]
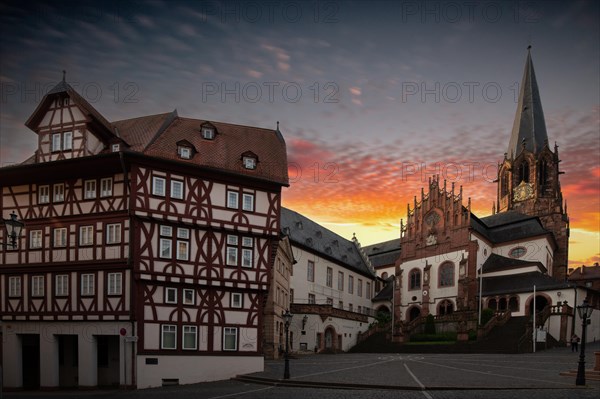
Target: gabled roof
[(585, 273), (387, 292), (524, 282), (157, 136), (383, 253), (315, 238), (496, 263), (529, 125), (64, 89), (508, 226)]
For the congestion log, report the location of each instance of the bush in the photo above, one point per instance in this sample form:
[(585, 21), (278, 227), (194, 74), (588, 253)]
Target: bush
[(472, 335), (383, 317), (486, 315), (429, 324), (447, 336)]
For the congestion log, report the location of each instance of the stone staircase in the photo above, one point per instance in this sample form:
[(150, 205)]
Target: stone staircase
[(508, 338)]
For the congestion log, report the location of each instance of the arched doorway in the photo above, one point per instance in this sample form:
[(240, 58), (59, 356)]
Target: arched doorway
[(413, 313), (541, 301), (445, 307), (329, 338)]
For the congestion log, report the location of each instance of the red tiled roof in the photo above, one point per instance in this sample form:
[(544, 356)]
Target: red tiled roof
[(590, 273), (225, 151), (157, 136)]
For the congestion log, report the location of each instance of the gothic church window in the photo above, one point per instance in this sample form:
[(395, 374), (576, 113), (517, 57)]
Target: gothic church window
[(414, 279), (446, 274), (524, 172)]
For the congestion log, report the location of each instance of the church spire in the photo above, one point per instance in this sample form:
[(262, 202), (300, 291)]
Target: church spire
[(529, 128)]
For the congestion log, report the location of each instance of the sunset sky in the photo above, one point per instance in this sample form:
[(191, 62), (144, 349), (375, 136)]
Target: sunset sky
[(372, 97)]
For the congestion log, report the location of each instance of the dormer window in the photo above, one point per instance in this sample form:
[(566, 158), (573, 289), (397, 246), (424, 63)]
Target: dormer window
[(249, 160), (250, 163), (185, 149), (185, 152), (208, 133)]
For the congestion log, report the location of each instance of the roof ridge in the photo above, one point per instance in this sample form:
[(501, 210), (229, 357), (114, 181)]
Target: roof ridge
[(167, 122)]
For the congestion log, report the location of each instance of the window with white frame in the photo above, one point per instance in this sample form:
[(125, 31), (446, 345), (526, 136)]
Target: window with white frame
[(230, 338), (232, 199), (340, 281), (208, 133), (170, 295), (168, 336), (183, 244), (106, 187), (189, 296), (37, 286), (236, 300), (166, 243), (177, 189), (61, 285), (116, 147), (190, 337), (248, 202), (113, 233), (43, 194), (368, 291), (115, 286), (330, 301), (249, 163), (350, 307), (59, 192), (329, 277), (158, 186), (88, 287), (350, 284), (35, 239), (86, 235), (14, 286), (232, 250), (185, 152), (67, 141), (247, 251), (89, 189), (60, 237), (311, 298), (359, 288), (310, 271), (56, 142)]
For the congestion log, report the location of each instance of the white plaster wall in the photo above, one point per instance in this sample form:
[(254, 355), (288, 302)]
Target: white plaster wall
[(302, 287), (193, 369), (349, 330), (47, 331), (537, 250)]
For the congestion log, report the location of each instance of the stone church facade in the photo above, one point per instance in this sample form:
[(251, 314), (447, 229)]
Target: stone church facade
[(453, 264)]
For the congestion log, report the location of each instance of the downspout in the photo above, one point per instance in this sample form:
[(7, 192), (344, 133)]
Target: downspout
[(574, 310), (127, 195)]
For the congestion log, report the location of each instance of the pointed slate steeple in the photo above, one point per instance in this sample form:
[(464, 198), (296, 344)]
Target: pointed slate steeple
[(529, 128)]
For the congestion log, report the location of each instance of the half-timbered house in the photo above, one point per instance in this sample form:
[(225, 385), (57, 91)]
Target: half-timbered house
[(146, 251)]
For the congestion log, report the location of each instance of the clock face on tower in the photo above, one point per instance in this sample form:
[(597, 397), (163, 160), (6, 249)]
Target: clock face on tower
[(522, 192)]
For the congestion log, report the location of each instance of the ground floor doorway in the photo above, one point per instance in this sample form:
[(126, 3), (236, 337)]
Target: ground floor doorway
[(30, 350)]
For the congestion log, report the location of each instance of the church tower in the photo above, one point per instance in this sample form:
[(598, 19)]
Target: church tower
[(528, 177)]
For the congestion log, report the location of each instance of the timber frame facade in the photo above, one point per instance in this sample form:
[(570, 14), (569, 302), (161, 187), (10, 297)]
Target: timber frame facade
[(147, 248)]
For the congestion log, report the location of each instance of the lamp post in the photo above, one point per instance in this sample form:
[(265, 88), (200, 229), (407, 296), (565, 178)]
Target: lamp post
[(13, 229), (287, 317), (584, 311)]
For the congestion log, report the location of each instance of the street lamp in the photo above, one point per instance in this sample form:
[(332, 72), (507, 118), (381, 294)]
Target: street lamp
[(13, 229), (287, 318), (584, 311)]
